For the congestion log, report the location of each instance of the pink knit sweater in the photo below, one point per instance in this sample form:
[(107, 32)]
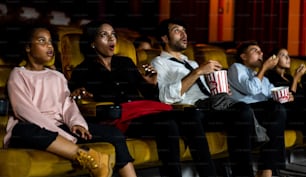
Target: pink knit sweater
[(42, 98)]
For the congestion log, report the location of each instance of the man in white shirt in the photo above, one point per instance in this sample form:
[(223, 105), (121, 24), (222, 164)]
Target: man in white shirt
[(180, 84)]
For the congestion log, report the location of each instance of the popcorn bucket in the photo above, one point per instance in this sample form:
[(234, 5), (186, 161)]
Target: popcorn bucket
[(280, 94), (217, 82)]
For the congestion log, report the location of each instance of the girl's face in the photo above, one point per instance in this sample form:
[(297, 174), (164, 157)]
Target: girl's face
[(253, 56), (284, 59), (40, 50), (105, 41)]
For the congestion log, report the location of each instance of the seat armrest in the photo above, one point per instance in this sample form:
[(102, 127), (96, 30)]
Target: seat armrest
[(182, 106), (88, 107)]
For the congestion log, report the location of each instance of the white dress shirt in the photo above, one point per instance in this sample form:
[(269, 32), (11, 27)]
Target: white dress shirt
[(170, 75)]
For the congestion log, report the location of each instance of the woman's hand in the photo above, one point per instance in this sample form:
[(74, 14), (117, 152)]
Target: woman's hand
[(149, 74), (80, 93), (81, 132), (291, 97), (300, 71)]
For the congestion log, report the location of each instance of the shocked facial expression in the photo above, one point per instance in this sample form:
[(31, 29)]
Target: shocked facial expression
[(177, 37), (284, 59), (253, 56), (105, 41), (40, 49)]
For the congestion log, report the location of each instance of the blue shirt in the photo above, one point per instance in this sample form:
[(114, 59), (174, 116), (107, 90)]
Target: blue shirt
[(246, 86)]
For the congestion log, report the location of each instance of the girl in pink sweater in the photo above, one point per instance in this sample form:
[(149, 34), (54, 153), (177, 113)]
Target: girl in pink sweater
[(46, 118)]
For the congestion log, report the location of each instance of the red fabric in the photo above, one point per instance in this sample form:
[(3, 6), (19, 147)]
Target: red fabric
[(135, 109)]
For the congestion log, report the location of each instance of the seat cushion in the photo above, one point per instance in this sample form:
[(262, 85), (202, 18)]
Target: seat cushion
[(293, 138), (28, 162), (217, 143)]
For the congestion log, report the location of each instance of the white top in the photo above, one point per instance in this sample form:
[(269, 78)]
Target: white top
[(170, 75)]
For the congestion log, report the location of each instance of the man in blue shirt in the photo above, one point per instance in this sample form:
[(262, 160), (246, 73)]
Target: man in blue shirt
[(248, 84)]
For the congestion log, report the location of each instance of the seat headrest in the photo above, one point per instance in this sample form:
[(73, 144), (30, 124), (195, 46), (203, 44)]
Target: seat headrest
[(145, 56)]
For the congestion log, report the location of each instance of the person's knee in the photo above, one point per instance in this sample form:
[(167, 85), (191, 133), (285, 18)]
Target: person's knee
[(194, 113), (280, 112), (281, 108), (245, 112)]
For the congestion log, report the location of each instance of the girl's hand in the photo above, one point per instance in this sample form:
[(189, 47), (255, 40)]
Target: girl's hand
[(80, 93), (291, 97), (81, 132)]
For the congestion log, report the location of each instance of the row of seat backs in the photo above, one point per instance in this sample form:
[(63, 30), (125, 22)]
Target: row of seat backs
[(71, 55)]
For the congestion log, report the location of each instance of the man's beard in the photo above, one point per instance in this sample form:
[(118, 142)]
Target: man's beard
[(178, 47)]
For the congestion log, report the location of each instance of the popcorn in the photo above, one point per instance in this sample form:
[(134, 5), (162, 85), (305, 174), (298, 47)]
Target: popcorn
[(280, 94), (217, 82)]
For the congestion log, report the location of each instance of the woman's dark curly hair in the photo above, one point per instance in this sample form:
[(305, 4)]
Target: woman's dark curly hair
[(90, 32)]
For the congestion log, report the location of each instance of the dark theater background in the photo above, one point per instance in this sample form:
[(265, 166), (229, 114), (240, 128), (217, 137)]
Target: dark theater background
[(214, 28), (224, 22)]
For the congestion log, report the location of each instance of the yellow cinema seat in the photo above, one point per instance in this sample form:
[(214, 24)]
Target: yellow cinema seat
[(34, 163)]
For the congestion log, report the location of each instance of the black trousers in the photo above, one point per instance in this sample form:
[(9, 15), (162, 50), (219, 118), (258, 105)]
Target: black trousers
[(295, 112), (27, 135), (238, 123), (273, 117), (167, 128)]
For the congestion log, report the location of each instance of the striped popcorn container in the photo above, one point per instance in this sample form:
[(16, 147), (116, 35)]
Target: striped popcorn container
[(217, 82), (280, 94)]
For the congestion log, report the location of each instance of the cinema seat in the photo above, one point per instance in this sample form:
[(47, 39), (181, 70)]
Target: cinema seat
[(34, 163)]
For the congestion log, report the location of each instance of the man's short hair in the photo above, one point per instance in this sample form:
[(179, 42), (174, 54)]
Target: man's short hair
[(242, 47), (163, 28)]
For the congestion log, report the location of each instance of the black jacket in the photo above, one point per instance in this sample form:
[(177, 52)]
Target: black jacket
[(123, 83)]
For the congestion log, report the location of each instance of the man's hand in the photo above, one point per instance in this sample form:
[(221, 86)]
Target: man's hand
[(270, 63), (208, 67)]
